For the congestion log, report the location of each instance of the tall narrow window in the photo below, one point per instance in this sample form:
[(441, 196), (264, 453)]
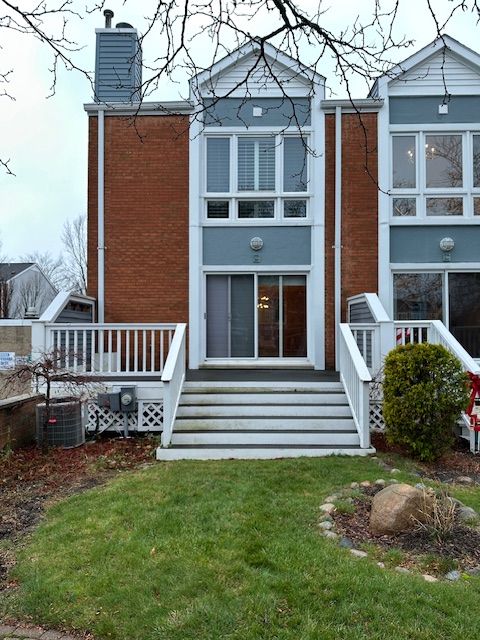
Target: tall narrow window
[(294, 164), (256, 164), (443, 161), (464, 305), (476, 161), (417, 296), (218, 165), (404, 162)]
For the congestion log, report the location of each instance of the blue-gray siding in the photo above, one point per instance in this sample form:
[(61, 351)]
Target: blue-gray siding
[(118, 67), (360, 313), (238, 112), (424, 110), (281, 245), (421, 243)]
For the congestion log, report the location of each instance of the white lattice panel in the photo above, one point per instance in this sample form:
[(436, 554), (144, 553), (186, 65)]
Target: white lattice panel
[(150, 415), (376, 416)]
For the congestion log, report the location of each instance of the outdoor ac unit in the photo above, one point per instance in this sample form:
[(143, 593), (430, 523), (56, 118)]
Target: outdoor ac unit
[(65, 428)]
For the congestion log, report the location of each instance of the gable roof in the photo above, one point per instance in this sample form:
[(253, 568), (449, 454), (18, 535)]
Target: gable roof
[(9, 270), (442, 43), (252, 48)]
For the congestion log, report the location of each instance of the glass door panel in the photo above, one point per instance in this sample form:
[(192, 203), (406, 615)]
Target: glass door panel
[(218, 339), (268, 307), (294, 317), (242, 317), (464, 306)]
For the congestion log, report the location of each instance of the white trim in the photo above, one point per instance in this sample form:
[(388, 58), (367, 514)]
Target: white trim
[(316, 314), (274, 269), (100, 217), (338, 232), (434, 266), (365, 105), (195, 280), (168, 108), (384, 172), (447, 127)]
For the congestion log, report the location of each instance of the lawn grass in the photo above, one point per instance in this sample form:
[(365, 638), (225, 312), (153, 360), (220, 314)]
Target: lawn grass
[(225, 550)]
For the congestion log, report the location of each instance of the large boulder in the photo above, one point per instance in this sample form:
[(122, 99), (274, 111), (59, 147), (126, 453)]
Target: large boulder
[(394, 509)]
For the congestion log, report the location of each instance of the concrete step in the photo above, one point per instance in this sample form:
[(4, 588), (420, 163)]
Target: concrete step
[(263, 424), (255, 452), (227, 398), (263, 411), (262, 387), (269, 437)]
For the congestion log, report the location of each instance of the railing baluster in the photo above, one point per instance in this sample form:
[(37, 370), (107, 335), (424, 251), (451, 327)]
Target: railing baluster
[(127, 350), (152, 350), (101, 348), (161, 351), (75, 350), (144, 351), (110, 351), (135, 350), (118, 367), (84, 351)]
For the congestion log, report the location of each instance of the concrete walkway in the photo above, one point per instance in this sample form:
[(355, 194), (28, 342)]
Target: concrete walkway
[(8, 632)]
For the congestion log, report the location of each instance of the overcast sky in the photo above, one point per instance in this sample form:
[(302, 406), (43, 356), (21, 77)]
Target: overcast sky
[(46, 139)]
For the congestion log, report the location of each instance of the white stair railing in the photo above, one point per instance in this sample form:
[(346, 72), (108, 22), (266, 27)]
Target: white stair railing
[(356, 379), (439, 334), (173, 378)]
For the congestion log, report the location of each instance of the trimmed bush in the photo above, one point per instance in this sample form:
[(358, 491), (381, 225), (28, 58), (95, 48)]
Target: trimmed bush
[(424, 391)]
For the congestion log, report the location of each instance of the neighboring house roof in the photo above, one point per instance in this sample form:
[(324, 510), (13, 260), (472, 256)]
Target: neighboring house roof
[(9, 270), (444, 42)]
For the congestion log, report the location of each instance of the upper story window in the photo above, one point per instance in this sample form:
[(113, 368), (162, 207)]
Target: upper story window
[(256, 176), (435, 174)]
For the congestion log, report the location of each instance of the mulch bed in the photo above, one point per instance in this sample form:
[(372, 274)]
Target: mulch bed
[(463, 545), (30, 480), (454, 464)]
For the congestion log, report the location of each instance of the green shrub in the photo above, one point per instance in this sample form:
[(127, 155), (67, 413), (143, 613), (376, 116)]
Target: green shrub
[(424, 391)]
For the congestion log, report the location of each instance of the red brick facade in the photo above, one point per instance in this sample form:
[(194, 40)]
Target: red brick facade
[(359, 215), (146, 218)]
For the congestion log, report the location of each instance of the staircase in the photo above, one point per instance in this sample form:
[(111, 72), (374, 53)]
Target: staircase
[(262, 419)]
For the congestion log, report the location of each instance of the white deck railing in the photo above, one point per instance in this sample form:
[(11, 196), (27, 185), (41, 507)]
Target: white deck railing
[(116, 350), (356, 380), (173, 378)]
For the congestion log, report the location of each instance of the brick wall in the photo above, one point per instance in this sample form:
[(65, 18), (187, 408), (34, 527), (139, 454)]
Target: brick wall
[(17, 421), (146, 218), (359, 215)]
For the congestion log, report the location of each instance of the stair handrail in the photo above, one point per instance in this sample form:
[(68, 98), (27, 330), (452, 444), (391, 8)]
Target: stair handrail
[(439, 334), (173, 378), (356, 379)]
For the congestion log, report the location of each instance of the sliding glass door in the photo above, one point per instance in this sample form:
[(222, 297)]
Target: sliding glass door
[(256, 316)]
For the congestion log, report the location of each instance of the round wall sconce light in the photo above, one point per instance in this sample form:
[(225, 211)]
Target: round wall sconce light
[(256, 243), (447, 245)]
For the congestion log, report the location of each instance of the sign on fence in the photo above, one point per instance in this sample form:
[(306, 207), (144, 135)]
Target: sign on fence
[(7, 360)]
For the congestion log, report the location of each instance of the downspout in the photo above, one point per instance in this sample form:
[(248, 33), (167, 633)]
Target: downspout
[(100, 214), (338, 231)]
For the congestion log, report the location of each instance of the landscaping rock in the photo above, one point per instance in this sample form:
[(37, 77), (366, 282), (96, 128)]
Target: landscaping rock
[(466, 513), (326, 517), (330, 534), (380, 482), (331, 499), (402, 570), (394, 508), (429, 578), (393, 482), (394, 471), (326, 525), (381, 565), (327, 507), (465, 480), (366, 484), (354, 485), (358, 554), (453, 576), (346, 543)]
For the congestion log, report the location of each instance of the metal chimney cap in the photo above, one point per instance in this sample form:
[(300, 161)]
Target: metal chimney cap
[(123, 25), (108, 13)]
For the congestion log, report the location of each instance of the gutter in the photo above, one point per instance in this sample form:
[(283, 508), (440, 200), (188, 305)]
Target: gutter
[(168, 108), (366, 105)]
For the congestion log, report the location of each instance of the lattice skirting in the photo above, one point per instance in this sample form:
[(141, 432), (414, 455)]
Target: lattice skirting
[(148, 417), (376, 416)]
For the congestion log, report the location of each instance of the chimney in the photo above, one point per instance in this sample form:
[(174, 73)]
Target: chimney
[(118, 63), (108, 13)]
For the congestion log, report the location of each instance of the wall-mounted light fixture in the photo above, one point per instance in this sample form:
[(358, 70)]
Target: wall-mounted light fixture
[(447, 245), (256, 243)]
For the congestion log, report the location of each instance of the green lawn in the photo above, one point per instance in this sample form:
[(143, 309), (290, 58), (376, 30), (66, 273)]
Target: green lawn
[(226, 550)]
